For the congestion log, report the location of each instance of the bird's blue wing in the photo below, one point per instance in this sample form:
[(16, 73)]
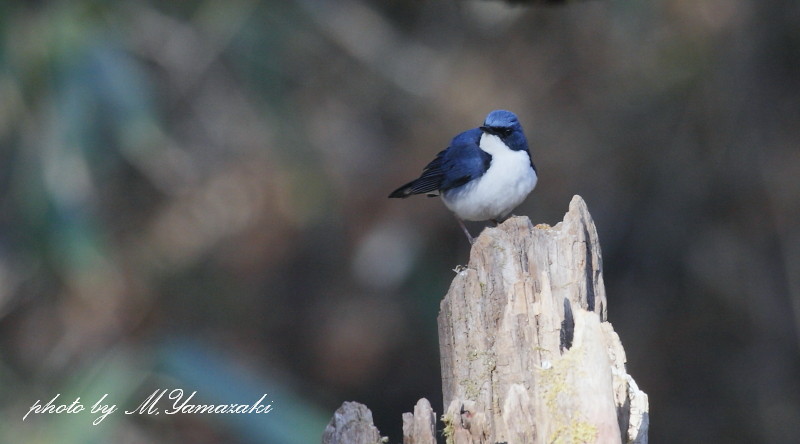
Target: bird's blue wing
[(461, 162)]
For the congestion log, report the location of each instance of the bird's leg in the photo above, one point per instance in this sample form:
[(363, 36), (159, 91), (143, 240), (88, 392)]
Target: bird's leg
[(464, 227), (495, 222)]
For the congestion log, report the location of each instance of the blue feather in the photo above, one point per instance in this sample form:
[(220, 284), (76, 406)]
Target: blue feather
[(460, 163)]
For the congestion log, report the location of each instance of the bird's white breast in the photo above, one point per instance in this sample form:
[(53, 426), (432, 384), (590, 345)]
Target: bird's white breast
[(507, 182)]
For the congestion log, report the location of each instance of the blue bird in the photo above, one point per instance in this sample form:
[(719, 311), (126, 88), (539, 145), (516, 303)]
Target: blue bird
[(484, 174)]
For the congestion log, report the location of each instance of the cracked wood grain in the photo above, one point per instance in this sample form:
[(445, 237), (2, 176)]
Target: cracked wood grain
[(526, 352)]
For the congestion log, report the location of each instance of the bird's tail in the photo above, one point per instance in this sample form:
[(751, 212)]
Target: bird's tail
[(429, 182), (423, 185), (404, 191)]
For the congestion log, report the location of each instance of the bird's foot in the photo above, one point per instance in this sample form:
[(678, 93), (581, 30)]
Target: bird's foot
[(466, 232)]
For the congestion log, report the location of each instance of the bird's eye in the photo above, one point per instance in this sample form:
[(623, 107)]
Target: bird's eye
[(505, 132)]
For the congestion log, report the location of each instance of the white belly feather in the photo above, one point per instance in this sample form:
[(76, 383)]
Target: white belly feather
[(504, 186)]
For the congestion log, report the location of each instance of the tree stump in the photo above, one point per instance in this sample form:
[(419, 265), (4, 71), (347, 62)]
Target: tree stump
[(420, 427), (527, 354), (352, 424)]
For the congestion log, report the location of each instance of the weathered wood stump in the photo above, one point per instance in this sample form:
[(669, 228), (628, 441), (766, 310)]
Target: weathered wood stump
[(527, 354), (351, 424)]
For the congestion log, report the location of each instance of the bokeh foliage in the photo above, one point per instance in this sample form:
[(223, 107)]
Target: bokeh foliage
[(193, 195)]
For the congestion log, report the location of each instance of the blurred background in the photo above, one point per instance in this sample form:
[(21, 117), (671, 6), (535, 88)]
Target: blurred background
[(193, 195)]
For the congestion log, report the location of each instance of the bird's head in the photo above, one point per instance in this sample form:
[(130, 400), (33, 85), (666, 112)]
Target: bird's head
[(504, 124)]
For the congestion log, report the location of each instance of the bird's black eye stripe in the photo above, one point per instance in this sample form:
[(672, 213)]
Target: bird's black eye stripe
[(501, 131)]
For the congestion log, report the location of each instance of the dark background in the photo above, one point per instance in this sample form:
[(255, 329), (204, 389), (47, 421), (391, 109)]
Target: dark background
[(193, 195)]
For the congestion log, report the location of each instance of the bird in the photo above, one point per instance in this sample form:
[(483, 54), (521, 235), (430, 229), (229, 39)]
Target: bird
[(482, 175)]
